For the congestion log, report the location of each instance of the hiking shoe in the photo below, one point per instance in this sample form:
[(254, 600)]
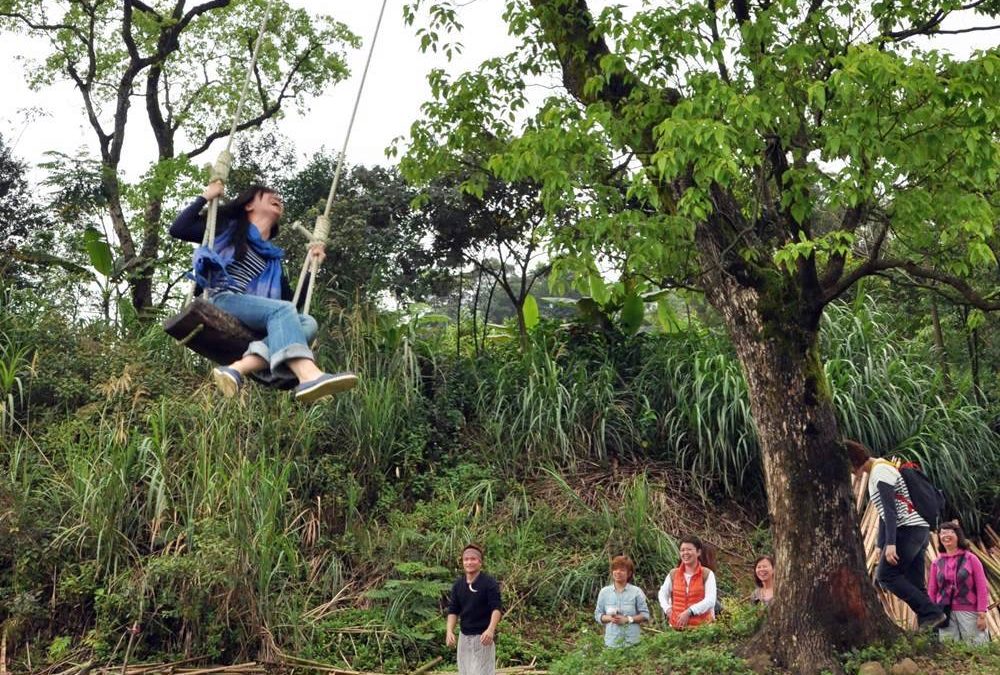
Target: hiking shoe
[(228, 380), (325, 385)]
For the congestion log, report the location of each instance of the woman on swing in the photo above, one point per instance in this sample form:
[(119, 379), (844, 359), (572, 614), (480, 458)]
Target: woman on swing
[(242, 275)]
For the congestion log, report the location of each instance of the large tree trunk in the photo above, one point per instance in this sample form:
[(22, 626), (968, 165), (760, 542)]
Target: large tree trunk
[(824, 600)]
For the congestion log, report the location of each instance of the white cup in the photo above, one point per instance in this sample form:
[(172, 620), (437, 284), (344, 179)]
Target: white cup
[(612, 611)]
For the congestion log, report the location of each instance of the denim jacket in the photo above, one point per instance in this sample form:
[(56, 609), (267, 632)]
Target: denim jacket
[(630, 602)]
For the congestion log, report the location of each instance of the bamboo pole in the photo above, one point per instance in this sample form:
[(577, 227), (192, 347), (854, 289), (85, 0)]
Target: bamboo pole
[(427, 666)]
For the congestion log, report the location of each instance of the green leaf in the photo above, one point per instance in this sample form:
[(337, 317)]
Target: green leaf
[(976, 319), (633, 312), (99, 251), (667, 317), (530, 312), (598, 289), (817, 95)]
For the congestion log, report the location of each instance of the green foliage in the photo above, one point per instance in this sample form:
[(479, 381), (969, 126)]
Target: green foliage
[(59, 648), (15, 365), (707, 649), (376, 245), (99, 251), (889, 654), (890, 396), (131, 493)]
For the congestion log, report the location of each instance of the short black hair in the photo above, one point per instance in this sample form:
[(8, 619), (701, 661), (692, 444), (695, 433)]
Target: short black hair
[(475, 547)]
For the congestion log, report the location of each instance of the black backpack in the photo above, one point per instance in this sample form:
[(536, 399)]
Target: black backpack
[(925, 498)]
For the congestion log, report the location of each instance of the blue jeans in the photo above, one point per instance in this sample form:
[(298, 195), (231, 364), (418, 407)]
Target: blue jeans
[(906, 579), (287, 333)]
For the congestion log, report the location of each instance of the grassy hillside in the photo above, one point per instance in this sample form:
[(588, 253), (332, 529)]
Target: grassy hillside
[(132, 496)]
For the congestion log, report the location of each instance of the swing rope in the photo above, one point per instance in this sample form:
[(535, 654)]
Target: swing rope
[(321, 230), (224, 162)]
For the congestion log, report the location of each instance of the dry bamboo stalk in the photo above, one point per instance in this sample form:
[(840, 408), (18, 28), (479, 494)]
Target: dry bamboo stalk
[(326, 667), (427, 666), (239, 668), (143, 668)]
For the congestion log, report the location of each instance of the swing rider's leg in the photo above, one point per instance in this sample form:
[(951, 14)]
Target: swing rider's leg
[(285, 347)]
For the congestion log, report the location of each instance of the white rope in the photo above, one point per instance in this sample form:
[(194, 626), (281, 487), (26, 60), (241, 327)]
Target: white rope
[(224, 162), (321, 230)]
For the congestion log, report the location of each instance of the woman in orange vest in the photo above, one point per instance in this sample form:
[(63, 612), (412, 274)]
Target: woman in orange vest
[(688, 593)]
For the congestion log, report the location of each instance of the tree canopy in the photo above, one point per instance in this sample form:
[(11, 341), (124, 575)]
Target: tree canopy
[(771, 156)]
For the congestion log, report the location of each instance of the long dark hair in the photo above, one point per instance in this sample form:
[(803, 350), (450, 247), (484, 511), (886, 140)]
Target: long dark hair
[(234, 214), (953, 525), (706, 553)]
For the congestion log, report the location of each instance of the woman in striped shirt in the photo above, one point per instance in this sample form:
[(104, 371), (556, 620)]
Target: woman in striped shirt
[(242, 275)]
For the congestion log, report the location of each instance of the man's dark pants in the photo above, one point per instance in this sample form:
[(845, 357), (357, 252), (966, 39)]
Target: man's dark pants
[(906, 579)]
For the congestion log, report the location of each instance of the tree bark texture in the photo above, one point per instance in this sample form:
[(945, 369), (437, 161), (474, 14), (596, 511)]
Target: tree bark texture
[(823, 595)]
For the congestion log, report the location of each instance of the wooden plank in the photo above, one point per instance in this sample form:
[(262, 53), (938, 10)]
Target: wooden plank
[(207, 330)]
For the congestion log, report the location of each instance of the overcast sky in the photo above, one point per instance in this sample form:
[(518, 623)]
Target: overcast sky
[(52, 119)]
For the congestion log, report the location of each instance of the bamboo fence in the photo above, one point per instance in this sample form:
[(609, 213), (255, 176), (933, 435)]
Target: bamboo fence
[(988, 551)]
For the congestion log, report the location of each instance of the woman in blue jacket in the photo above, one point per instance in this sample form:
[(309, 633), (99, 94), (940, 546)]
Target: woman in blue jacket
[(242, 275)]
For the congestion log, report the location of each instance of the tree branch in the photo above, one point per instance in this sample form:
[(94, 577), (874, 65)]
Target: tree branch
[(267, 112), (569, 28), (923, 29), (714, 25), (143, 7), (127, 36), (194, 12), (959, 31), (971, 297), (41, 26), (741, 8)]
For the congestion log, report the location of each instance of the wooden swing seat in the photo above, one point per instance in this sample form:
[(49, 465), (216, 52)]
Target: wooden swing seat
[(207, 330)]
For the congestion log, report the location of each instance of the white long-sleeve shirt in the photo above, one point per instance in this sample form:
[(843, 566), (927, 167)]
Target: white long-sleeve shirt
[(705, 605)]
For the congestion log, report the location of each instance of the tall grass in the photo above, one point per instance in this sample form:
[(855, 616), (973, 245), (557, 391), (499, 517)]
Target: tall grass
[(14, 366), (228, 527), (890, 397), (539, 409), (705, 421)]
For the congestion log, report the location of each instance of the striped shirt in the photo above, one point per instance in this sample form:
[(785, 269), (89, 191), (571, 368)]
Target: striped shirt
[(885, 472), (242, 272)]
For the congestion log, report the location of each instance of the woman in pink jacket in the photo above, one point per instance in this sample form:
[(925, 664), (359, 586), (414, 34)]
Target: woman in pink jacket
[(958, 582)]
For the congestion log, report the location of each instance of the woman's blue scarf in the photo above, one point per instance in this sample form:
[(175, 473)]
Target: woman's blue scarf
[(210, 263)]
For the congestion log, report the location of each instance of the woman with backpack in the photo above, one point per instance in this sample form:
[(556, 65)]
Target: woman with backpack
[(958, 584)]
